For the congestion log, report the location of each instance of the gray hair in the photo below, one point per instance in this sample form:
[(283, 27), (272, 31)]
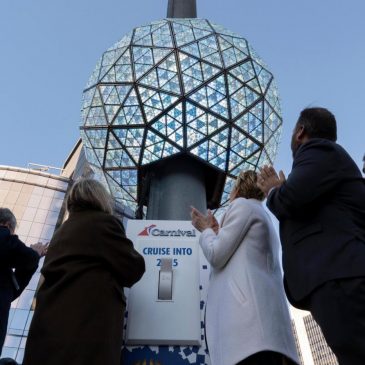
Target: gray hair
[(7, 217), (89, 193)]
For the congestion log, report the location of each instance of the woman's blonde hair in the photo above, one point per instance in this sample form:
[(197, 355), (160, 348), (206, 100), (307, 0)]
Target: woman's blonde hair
[(89, 193), (246, 186)]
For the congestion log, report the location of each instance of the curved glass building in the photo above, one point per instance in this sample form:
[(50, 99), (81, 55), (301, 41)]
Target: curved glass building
[(179, 86)]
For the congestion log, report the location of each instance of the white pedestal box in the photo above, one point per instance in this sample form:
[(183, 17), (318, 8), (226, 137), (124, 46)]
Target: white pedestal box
[(164, 306)]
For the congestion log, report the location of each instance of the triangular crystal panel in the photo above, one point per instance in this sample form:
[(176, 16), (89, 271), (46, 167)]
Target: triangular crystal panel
[(264, 77), (243, 166), (241, 144), (96, 117), (162, 36), (183, 34), (201, 24), (97, 137), (113, 143), (244, 72), (121, 71), (201, 151), (142, 36), (159, 54), (239, 43), (129, 115), (192, 49)]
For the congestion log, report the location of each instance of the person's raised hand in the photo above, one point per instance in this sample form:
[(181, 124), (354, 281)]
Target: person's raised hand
[(199, 220), (40, 248), (214, 225), (268, 178)]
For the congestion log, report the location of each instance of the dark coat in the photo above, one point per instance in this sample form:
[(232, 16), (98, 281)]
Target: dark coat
[(321, 209), (79, 312), (14, 255)]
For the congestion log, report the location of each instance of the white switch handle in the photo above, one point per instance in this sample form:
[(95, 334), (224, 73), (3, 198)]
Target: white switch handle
[(165, 280)]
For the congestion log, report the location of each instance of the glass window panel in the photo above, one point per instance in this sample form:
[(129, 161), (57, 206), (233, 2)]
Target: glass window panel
[(34, 281), (48, 193), (60, 184), (19, 211), (52, 217), (12, 341), (16, 186), (14, 303), (9, 352), (45, 202), (27, 188), (17, 332), (20, 319), (3, 194), (11, 314), (35, 230), (8, 205), (47, 232), (56, 205), (29, 320), (11, 197), (29, 214), (25, 299), (23, 199), (38, 190), (23, 228), (20, 356), (34, 201), (41, 215)]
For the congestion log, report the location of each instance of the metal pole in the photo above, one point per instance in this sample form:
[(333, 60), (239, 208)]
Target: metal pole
[(181, 9), (175, 186)]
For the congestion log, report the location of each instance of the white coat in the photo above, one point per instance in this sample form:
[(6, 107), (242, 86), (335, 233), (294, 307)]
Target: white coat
[(246, 310)]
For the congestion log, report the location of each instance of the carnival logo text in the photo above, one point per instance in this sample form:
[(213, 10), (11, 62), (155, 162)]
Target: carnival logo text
[(153, 231)]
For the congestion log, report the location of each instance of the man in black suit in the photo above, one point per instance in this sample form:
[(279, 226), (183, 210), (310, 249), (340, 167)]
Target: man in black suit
[(321, 210), (17, 265)]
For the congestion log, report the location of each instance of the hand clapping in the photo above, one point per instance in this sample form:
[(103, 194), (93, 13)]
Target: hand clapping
[(268, 179), (40, 248), (202, 222)]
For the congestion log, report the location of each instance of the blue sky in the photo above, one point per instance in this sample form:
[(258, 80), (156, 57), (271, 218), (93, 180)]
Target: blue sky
[(315, 49)]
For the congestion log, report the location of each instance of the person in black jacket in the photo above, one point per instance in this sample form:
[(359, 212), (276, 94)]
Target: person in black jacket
[(321, 209), (18, 263)]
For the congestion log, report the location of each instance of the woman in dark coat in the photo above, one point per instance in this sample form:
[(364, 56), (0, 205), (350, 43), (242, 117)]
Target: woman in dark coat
[(79, 312)]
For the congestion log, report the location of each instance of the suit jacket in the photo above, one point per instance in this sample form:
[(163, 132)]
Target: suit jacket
[(14, 255), (245, 277), (321, 209), (78, 319)]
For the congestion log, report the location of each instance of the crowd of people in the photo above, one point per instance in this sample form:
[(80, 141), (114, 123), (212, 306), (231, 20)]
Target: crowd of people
[(320, 207)]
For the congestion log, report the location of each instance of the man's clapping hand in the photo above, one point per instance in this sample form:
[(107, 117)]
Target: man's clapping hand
[(268, 178), (40, 248)]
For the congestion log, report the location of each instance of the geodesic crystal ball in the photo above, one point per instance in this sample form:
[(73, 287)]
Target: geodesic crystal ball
[(179, 86)]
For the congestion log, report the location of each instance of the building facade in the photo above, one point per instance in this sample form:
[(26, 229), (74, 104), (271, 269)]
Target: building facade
[(36, 199), (311, 344)]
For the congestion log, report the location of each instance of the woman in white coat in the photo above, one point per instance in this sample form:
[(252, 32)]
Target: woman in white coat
[(247, 317)]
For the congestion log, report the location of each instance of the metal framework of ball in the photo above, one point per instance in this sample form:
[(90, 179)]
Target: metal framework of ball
[(179, 86)]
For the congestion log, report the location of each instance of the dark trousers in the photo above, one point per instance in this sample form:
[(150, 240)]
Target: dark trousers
[(338, 307), (266, 358), (4, 315)]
